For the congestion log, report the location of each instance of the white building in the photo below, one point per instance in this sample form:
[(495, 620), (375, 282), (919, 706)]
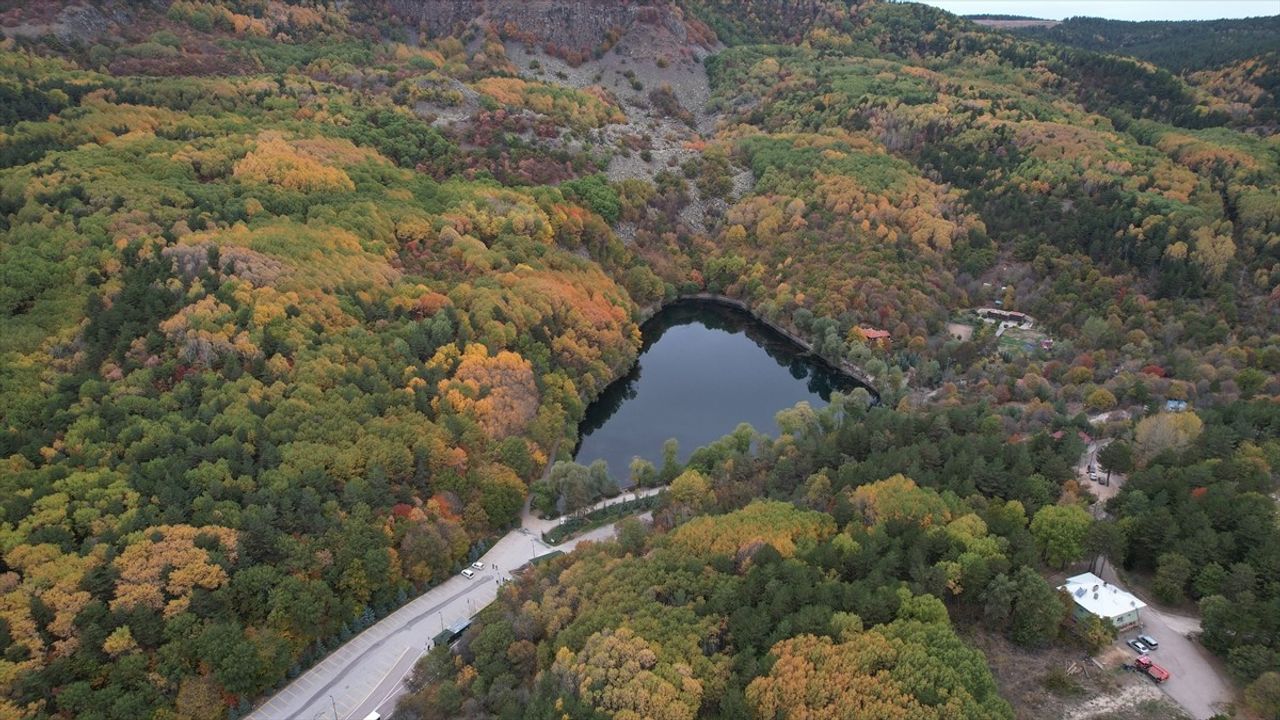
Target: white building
[(1093, 596)]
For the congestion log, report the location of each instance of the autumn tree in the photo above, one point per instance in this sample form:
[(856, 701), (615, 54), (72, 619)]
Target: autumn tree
[(780, 525), (868, 674), (618, 672), (499, 390), (691, 492), (1060, 532), (1165, 431), (162, 569), (898, 498)]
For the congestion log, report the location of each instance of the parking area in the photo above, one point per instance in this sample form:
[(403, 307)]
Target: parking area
[(1197, 681)]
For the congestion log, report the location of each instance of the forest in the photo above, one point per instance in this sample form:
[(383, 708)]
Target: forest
[(300, 303), (730, 606), (1233, 59), (1179, 46)]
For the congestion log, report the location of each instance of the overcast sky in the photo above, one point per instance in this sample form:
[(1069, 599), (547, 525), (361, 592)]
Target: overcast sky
[(1114, 9)]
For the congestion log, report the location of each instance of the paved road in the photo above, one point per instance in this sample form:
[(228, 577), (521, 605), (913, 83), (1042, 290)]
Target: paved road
[(367, 672), (392, 687)]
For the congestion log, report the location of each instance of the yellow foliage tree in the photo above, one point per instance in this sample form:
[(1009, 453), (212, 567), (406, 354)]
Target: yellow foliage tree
[(169, 549), (276, 162), (691, 490), (1165, 431), (1213, 251), (899, 498), (782, 525), (119, 642), (618, 673), (498, 390)]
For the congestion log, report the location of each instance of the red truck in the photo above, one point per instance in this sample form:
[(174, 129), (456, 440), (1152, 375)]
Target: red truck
[(1154, 671)]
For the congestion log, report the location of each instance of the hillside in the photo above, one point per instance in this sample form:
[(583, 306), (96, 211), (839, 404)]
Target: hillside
[(1180, 46), (299, 300), (1231, 59)]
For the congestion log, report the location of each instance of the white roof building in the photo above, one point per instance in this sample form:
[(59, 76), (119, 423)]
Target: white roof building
[(1099, 598)]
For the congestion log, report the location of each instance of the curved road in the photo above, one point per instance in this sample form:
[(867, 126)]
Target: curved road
[(366, 674)]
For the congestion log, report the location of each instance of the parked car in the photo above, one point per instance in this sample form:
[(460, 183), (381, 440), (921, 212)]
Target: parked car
[(468, 573), (1139, 646), (477, 565), (1149, 641)]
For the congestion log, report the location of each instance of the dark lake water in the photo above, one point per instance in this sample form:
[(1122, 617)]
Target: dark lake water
[(704, 368)]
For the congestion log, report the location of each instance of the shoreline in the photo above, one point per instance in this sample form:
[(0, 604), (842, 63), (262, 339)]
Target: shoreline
[(647, 313), (844, 367)]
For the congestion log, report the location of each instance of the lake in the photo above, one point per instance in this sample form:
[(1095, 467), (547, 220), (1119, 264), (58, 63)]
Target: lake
[(704, 368)]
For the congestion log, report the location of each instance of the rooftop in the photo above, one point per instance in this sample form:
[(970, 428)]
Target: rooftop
[(1094, 594)]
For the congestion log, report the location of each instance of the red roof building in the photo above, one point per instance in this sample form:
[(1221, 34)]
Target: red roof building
[(876, 336)]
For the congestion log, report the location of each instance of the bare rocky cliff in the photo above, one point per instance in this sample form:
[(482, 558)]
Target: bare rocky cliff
[(575, 29)]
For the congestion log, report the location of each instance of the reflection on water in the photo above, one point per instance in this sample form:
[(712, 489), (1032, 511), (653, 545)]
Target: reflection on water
[(703, 369)]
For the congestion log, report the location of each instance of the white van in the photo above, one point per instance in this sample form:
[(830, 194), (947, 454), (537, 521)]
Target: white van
[(468, 573)]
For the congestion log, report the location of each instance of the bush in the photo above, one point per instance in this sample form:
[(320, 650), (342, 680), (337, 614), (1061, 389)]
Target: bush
[(597, 518), (597, 194), (1263, 697), (1058, 682), (1096, 634)]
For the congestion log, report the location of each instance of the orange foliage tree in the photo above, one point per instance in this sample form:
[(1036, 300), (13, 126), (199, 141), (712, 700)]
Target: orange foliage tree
[(498, 390)]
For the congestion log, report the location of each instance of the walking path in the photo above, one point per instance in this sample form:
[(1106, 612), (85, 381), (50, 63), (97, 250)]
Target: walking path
[(367, 673)]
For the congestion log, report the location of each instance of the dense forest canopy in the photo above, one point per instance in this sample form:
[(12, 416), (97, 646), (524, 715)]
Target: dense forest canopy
[(1233, 59), (876, 535), (301, 301), (1180, 46)]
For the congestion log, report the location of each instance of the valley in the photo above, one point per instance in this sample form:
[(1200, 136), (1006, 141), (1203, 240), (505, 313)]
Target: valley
[(315, 318)]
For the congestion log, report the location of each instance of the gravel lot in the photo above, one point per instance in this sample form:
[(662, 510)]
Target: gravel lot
[(1198, 682)]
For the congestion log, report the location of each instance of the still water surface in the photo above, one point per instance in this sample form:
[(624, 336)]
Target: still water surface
[(704, 368)]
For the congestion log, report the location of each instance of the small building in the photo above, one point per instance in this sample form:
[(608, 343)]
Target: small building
[(1093, 596), (875, 336), (1084, 436), (1008, 317), (1175, 405)]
